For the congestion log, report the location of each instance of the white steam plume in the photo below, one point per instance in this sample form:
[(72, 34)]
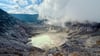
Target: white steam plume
[(54, 11)]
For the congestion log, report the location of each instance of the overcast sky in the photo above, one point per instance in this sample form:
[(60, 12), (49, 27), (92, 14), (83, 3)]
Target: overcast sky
[(56, 11)]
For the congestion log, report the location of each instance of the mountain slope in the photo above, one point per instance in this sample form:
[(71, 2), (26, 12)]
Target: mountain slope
[(14, 34)]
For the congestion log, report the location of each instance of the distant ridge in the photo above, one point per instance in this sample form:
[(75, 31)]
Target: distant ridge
[(29, 18)]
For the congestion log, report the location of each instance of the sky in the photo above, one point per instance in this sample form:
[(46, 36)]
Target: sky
[(55, 11), (20, 6)]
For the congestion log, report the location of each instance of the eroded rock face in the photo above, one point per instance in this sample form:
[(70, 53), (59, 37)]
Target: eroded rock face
[(83, 38), (13, 35), (98, 42), (74, 54), (93, 41)]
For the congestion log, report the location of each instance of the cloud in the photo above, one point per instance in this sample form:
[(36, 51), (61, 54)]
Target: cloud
[(33, 1), (22, 12), (10, 2), (8, 7), (21, 2), (26, 10), (19, 6)]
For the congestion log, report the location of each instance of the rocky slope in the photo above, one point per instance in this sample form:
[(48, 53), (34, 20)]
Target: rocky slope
[(83, 38), (14, 36)]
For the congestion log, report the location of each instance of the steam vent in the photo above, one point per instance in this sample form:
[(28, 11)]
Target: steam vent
[(18, 38)]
